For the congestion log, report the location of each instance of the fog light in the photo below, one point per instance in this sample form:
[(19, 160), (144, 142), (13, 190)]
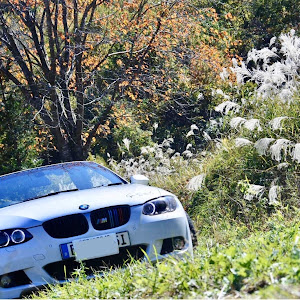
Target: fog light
[(171, 244), (13, 279), (178, 243), (5, 281)]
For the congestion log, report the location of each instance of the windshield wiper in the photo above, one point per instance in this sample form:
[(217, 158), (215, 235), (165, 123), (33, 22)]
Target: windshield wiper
[(50, 194), (109, 184), (116, 183)]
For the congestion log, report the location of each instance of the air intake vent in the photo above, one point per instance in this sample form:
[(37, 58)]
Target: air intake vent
[(111, 217), (67, 226)]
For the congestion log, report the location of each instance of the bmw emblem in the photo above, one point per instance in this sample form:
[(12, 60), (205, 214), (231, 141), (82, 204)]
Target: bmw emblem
[(84, 206)]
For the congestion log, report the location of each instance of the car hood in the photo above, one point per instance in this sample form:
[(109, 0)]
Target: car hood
[(34, 212)]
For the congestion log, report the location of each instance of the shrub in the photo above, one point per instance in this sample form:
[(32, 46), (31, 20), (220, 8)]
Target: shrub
[(255, 165)]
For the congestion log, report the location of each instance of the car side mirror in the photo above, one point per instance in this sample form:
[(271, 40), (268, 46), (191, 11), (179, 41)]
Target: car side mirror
[(139, 179)]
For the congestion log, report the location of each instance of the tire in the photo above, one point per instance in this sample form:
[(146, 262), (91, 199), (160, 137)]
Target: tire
[(192, 230)]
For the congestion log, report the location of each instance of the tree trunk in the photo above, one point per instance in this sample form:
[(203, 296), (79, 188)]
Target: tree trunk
[(65, 153), (68, 151)]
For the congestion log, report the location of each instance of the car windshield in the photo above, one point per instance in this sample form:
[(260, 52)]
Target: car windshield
[(40, 182)]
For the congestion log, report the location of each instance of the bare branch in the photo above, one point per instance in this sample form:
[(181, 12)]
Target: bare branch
[(51, 42)]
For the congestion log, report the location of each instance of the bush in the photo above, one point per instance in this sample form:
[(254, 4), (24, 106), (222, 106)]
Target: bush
[(18, 147), (255, 165)]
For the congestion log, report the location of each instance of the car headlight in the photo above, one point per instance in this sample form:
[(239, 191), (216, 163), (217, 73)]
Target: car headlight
[(160, 205), (11, 237)]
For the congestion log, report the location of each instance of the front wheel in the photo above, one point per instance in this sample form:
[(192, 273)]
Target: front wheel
[(192, 230)]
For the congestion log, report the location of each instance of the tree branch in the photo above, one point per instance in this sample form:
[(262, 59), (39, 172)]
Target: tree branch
[(51, 43)]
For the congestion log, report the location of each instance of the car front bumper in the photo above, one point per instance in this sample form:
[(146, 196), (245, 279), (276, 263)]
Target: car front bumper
[(35, 257)]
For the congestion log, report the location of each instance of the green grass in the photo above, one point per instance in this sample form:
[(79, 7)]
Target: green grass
[(233, 261)]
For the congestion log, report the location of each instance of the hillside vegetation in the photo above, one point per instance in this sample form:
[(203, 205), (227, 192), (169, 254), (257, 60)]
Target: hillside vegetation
[(238, 264), (202, 97), (242, 191)]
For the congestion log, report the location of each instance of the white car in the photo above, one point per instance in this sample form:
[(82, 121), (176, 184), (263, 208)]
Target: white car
[(55, 217)]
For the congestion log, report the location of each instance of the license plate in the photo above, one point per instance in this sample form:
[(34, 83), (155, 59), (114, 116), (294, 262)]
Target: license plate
[(99, 246)]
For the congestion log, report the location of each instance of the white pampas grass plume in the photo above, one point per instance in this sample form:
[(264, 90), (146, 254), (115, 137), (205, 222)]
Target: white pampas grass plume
[(296, 153), (187, 154), (200, 96), (206, 136), (273, 195), (265, 54), (252, 124), (224, 74), (282, 166), (213, 123), (220, 92), (286, 95), (281, 145), (262, 145), (196, 182), (273, 77), (144, 150), (272, 41), (175, 156), (126, 142), (290, 45), (170, 151), (237, 122), (240, 142), (226, 107), (191, 132), (254, 191), (241, 72), (167, 142), (276, 123)]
